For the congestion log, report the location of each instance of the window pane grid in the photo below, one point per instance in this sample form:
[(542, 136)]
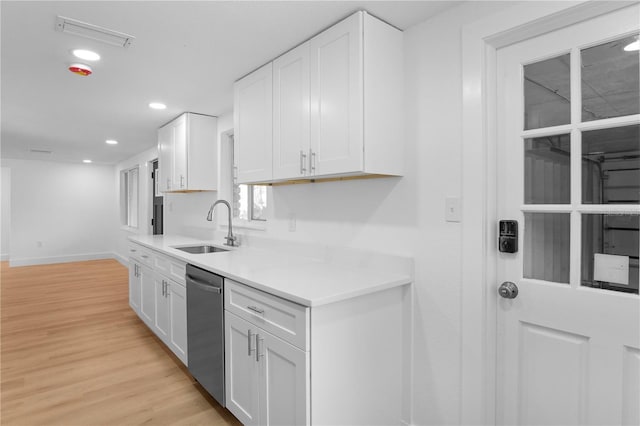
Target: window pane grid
[(589, 194)]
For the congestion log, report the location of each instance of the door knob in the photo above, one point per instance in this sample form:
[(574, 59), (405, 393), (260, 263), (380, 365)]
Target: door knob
[(508, 290)]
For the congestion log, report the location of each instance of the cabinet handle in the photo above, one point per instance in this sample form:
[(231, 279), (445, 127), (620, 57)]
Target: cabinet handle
[(145, 256), (135, 270), (258, 354), (133, 250), (312, 161), (303, 160), (166, 289), (181, 181), (250, 349), (256, 309)]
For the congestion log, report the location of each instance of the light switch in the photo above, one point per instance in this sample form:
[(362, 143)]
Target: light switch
[(452, 209)]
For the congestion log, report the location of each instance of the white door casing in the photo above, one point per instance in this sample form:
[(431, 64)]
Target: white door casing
[(566, 353)]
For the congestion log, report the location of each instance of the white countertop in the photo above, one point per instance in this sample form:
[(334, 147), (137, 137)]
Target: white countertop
[(304, 280)]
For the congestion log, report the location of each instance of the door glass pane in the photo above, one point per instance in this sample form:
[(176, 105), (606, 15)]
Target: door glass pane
[(547, 170), (610, 251), (547, 93), (611, 166), (610, 85), (546, 246)]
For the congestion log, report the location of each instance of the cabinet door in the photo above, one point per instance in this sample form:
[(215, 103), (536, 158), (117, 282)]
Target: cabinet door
[(180, 153), (241, 370), (134, 285), (253, 151), (161, 319), (337, 98), (148, 296), (284, 383), (165, 157), (291, 114), (178, 320)]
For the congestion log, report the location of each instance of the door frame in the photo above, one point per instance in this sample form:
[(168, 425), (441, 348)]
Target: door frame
[(480, 42)]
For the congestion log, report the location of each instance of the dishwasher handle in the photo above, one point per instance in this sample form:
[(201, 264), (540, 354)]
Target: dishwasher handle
[(204, 286)]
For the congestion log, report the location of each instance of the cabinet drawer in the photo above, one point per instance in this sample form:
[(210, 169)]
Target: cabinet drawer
[(287, 320), (169, 267), (140, 253)]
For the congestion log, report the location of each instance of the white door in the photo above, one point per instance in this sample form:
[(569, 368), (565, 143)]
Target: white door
[(568, 160), (161, 319), (178, 320), (134, 285), (291, 114), (241, 369), (180, 152), (336, 98), (253, 122), (148, 298), (165, 157), (284, 393)]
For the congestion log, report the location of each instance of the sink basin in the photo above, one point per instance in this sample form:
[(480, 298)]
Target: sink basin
[(201, 249)]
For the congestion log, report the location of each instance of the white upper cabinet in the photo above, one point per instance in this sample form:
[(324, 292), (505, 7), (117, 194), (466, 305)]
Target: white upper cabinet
[(337, 107), (188, 155), (253, 117), (291, 114), (336, 99)]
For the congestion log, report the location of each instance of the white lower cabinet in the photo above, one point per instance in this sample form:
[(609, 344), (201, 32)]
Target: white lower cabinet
[(177, 341), (157, 294), (267, 379), (135, 283), (148, 296)]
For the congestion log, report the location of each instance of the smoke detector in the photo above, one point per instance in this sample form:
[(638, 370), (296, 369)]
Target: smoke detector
[(94, 32), (80, 69)]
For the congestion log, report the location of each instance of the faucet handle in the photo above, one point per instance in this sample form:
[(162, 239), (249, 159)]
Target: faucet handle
[(232, 241)]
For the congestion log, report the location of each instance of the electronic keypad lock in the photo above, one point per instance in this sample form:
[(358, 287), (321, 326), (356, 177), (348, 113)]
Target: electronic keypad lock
[(508, 239)]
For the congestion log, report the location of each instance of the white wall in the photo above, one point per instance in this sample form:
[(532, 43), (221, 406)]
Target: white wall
[(60, 212), (5, 213)]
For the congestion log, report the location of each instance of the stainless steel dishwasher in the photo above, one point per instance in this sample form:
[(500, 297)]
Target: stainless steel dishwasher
[(205, 330)]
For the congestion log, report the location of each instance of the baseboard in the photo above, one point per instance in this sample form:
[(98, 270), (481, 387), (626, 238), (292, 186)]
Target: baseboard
[(28, 261), (123, 260)]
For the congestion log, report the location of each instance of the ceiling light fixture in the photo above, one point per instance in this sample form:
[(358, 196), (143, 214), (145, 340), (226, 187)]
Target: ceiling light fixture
[(86, 161), (111, 142), (87, 55), (94, 32), (80, 69), (157, 105), (633, 46)]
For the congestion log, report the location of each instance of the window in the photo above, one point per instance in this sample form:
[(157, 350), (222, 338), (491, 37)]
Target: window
[(249, 201), (129, 197)]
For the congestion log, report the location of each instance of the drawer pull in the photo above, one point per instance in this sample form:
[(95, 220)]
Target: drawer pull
[(249, 339), (259, 340), (256, 309)]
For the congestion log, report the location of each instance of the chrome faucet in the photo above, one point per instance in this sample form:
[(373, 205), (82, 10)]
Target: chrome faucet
[(231, 239)]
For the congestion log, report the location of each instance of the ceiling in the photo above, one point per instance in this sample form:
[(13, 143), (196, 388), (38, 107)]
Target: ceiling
[(185, 54)]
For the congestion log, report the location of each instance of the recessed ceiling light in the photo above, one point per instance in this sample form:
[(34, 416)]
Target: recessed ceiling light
[(112, 142), (633, 46), (157, 105), (86, 161), (87, 55)]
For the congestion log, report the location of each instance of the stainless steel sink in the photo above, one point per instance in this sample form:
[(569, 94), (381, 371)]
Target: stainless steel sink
[(201, 249)]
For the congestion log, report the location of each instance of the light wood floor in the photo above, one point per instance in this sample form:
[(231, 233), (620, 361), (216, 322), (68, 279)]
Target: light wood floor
[(74, 353)]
